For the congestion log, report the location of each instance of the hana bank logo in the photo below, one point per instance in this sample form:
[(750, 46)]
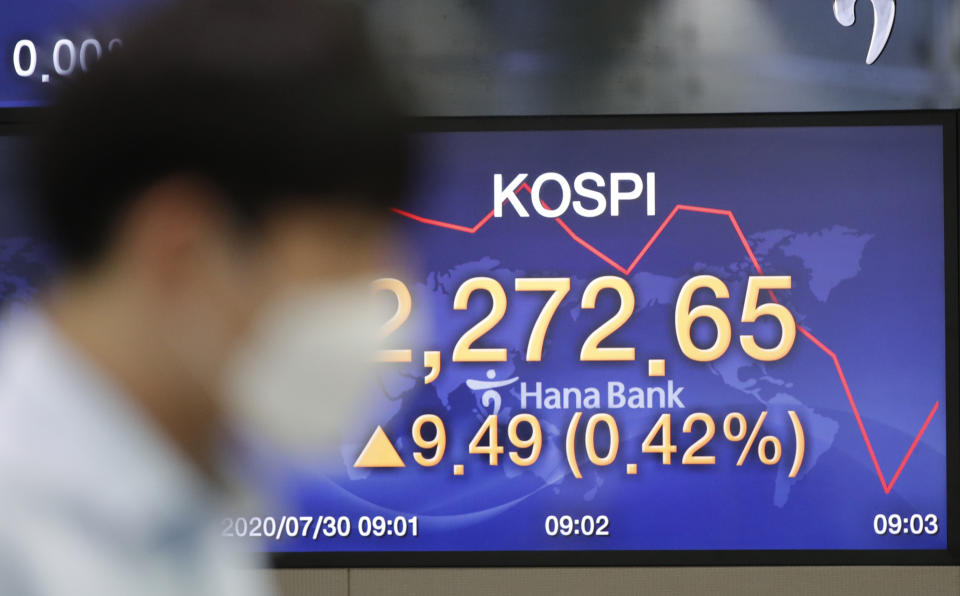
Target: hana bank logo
[(883, 15), (490, 398)]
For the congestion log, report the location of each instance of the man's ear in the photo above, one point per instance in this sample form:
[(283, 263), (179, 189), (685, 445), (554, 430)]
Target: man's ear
[(169, 231)]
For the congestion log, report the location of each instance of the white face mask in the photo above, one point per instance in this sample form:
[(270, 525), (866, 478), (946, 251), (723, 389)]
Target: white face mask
[(302, 377)]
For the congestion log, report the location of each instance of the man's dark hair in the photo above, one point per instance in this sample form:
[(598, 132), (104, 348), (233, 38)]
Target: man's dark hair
[(265, 99)]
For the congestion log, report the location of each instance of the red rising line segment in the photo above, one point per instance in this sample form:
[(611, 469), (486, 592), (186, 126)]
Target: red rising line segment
[(887, 486)]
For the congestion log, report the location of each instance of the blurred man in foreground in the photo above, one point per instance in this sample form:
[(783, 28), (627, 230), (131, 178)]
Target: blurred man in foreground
[(217, 191)]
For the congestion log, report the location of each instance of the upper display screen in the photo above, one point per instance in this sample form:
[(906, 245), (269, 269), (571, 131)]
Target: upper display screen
[(45, 41), (661, 339)]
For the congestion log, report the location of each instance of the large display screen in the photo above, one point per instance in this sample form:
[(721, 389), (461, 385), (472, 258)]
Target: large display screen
[(628, 341), (645, 337)]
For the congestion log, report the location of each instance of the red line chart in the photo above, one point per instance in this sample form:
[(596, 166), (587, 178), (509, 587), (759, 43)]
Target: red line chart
[(626, 270)]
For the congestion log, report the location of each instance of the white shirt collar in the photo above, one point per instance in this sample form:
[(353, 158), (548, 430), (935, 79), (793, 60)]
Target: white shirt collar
[(67, 430)]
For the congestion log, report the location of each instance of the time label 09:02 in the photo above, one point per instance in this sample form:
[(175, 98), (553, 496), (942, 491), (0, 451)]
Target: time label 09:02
[(571, 525)]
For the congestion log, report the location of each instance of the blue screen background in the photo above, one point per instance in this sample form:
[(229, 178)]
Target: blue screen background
[(854, 215), (45, 22)]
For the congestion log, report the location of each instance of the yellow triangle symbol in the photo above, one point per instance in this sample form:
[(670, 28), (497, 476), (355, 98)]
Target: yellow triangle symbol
[(379, 453)]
